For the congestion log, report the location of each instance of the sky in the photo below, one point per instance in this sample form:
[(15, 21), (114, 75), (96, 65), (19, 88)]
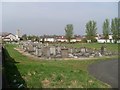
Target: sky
[(50, 18)]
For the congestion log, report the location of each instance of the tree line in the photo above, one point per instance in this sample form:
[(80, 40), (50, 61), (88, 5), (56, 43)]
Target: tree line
[(91, 30), (108, 27)]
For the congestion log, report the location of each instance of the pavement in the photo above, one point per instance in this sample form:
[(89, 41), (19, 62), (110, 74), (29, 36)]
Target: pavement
[(106, 71)]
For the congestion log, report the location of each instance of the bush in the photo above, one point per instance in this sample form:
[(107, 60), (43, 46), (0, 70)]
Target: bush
[(84, 40), (94, 40)]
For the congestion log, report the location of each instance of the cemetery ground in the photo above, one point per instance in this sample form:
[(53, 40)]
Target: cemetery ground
[(109, 46), (32, 73)]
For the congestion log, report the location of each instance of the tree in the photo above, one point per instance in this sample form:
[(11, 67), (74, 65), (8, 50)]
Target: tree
[(29, 37), (115, 28), (106, 29), (24, 37), (43, 39), (69, 32), (91, 30)]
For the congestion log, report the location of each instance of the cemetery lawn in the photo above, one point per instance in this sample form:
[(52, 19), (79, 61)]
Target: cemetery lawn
[(109, 46), (49, 73)]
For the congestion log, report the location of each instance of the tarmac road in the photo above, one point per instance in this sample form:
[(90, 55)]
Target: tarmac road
[(106, 71)]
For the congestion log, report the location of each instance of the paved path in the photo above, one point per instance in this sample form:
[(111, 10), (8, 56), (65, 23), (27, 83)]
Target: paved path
[(106, 71)]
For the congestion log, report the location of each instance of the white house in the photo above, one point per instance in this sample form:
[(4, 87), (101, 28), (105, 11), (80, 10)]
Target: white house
[(50, 39), (109, 40), (10, 37)]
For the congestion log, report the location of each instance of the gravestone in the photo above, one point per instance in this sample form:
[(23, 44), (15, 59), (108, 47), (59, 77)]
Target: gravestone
[(34, 48), (58, 50), (25, 47), (70, 50), (83, 50), (70, 55), (39, 45), (99, 54), (53, 50), (38, 52), (21, 46), (64, 52), (74, 50), (30, 48), (102, 50), (86, 54), (46, 52)]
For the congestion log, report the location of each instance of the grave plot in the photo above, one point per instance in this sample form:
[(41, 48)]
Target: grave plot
[(48, 51)]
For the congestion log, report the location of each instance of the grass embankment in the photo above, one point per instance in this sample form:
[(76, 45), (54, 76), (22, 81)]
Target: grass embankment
[(49, 73)]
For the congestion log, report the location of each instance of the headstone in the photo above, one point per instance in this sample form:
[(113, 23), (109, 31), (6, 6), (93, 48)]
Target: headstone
[(102, 50), (86, 54), (80, 54), (53, 50), (70, 55), (83, 50), (39, 45), (99, 54), (30, 48), (58, 50), (46, 52), (21, 46), (71, 50), (74, 50), (64, 52), (38, 52), (34, 48)]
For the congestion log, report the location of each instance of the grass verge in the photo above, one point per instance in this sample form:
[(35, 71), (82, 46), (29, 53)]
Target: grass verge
[(48, 73)]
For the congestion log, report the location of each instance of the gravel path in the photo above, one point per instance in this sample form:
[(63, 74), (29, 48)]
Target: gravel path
[(106, 71)]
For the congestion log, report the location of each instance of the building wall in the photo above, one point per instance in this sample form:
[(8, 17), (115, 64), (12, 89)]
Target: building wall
[(104, 41), (11, 37)]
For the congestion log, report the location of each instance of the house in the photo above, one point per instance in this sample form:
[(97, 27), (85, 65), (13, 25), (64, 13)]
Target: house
[(9, 37), (47, 38), (101, 39), (61, 39), (64, 39)]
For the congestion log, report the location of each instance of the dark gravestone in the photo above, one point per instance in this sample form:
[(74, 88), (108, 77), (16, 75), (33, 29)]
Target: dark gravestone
[(102, 50), (64, 52)]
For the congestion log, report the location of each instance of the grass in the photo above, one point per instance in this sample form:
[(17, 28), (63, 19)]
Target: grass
[(109, 46), (49, 73)]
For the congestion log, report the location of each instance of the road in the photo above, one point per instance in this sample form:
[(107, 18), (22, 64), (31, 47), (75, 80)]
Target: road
[(106, 71)]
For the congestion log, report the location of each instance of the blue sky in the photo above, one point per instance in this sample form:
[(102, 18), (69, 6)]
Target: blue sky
[(51, 18)]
